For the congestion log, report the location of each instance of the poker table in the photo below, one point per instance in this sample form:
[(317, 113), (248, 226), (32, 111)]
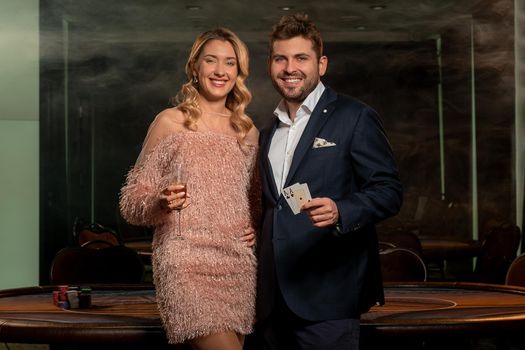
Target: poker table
[(437, 308), (126, 315), (123, 315), (446, 249)]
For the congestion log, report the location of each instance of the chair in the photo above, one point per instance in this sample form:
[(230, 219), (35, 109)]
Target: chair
[(139, 238), (94, 235), (81, 265), (135, 236), (516, 272), (385, 245), (402, 239), (402, 265), (498, 250)]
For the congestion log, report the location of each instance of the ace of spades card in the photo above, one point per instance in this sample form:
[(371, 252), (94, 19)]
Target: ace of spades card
[(296, 195)]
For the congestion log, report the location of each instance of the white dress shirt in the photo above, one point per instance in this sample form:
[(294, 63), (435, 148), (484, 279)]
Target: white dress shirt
[(288, 134)]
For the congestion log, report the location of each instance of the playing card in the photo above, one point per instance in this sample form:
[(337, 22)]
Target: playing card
[(307, 192), (296, 195), (302, 194), (289, 196)]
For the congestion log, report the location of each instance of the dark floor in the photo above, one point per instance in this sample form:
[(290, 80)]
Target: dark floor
[(437, 343), (448, 343)]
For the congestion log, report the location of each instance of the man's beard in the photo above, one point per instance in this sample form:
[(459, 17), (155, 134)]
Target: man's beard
[(296, 95)]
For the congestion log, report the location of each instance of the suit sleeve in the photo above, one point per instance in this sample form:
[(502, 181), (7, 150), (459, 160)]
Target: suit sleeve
[(379, 192)]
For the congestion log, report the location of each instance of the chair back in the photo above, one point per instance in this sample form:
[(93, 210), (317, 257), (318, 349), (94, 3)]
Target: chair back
[(94, 235), (516, 272), (402, 239), (385, 245), (82, 265), (402, 265), (498, 250)]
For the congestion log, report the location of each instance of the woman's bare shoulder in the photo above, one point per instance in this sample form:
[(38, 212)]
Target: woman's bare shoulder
[(170, 119), (168, 122)]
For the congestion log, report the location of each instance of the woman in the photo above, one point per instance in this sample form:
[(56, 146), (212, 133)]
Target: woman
[(204, 278)]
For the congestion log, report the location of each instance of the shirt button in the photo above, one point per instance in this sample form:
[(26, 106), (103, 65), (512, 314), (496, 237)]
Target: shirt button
[(279, 207)]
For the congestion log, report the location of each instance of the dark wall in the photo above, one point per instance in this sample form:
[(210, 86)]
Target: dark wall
[(115, 89)]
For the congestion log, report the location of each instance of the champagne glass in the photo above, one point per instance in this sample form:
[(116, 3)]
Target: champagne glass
[(179, 178)]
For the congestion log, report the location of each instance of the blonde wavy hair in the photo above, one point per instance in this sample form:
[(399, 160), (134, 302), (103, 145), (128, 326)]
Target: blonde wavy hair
[(238, 98)]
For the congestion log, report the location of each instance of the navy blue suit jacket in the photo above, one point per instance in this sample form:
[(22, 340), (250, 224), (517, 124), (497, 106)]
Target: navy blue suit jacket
[(324, 274)]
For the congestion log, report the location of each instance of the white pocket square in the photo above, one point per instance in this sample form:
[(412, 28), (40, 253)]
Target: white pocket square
[(320, 143)]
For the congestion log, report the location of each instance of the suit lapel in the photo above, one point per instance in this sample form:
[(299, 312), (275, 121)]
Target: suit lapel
[(267, 167), (319, 117)]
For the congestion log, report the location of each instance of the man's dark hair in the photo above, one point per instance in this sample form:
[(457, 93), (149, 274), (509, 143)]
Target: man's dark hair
[(297, 25)]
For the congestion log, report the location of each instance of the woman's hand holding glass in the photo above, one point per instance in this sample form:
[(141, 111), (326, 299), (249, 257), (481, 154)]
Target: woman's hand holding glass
[(174, 197)]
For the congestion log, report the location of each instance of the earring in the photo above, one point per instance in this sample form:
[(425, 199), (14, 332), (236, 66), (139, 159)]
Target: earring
[(195, 80)]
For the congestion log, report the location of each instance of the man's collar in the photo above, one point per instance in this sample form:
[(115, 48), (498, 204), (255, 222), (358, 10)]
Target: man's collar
[(308, 104)]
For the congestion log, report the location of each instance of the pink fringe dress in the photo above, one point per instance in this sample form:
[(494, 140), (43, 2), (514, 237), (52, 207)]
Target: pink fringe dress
[(205, 282)]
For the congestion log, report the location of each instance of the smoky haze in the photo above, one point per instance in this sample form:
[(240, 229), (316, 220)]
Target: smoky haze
[(125, 60), (147, 42)]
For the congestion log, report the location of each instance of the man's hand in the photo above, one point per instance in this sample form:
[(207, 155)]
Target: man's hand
[(321, 211)]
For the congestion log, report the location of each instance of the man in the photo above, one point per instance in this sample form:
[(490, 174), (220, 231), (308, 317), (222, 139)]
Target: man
[(319, 269)]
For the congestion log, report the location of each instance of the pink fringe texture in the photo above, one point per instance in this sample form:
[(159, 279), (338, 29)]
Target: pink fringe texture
[(205, 282)]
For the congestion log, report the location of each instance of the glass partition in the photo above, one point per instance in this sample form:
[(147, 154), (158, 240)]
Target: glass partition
[(441, 75)]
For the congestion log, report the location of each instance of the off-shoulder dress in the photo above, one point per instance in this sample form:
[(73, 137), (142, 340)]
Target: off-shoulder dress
[(205, 282)]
